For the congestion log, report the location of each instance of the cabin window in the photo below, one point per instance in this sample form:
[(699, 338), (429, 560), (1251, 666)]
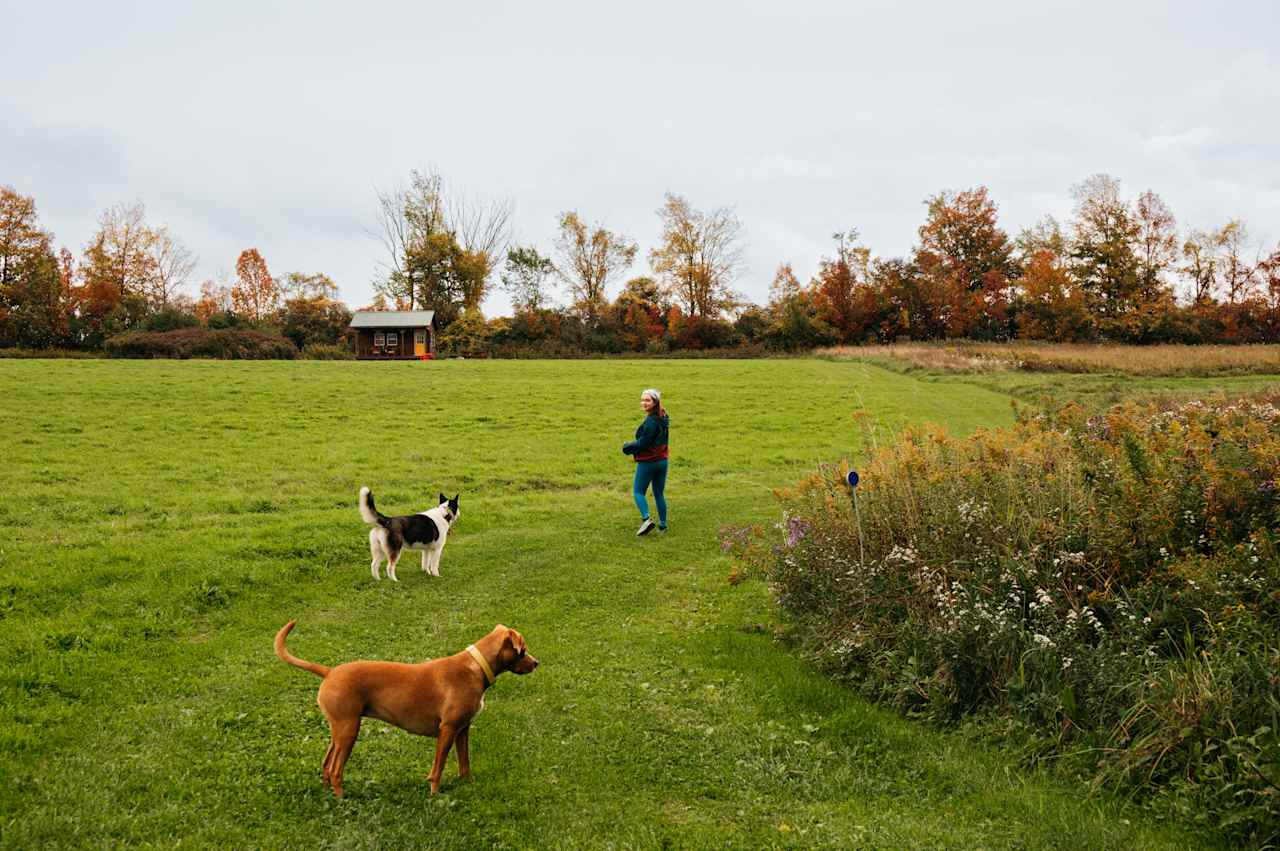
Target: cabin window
[(379, 340), (393, 339), (419, 336)]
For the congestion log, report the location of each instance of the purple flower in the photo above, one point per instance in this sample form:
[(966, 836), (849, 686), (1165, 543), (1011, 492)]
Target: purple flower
[(797, 528)]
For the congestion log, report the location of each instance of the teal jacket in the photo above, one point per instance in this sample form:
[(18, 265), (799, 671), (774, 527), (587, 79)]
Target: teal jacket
[(651, 439)]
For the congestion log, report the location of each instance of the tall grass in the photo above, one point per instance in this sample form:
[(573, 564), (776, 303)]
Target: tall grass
[(1162, 360)]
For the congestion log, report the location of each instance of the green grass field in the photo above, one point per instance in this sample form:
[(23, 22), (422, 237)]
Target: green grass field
[(161, 520)]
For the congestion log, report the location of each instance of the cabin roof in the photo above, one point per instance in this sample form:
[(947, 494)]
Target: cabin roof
[(391, 318)]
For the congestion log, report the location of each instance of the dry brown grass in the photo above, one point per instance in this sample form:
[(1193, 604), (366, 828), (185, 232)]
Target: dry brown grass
[(1168, 360)]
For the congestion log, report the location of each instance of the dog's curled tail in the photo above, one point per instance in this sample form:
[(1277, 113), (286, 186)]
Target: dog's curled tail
[(283, 653), (368, 510)]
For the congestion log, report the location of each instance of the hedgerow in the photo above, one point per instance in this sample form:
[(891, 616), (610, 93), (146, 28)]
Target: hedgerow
[(237, 344), (1105, 587)]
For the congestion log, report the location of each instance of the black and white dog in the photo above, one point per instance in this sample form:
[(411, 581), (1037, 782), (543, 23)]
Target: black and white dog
[(424, 531)]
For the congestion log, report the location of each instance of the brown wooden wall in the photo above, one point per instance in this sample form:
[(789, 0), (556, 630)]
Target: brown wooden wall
[(364, 340)]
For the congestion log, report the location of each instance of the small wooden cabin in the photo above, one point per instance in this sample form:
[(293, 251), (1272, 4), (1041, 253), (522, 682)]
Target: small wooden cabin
[(393, 334)]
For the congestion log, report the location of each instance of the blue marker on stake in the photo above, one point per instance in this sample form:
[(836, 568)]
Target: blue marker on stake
[(852, 479)]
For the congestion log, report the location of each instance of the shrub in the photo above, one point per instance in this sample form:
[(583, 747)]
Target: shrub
[(323, 351), (169, 319), (1109, 586), (309, 321), (201, 343), (466, 336)]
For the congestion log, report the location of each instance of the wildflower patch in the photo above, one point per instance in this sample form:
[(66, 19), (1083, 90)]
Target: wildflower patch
[(1106, 586)]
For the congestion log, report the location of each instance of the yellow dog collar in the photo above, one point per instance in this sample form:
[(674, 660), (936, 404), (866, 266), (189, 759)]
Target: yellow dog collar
[(484, 666)]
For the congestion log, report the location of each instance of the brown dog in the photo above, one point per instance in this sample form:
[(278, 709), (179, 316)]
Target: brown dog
[(436, 698)]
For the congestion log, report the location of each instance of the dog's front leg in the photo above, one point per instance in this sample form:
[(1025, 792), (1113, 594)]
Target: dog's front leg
[(444, 741), (425, 561), (464, 753)]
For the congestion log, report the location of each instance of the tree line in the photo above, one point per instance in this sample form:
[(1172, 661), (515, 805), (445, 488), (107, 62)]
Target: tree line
[(1119, 270), (136, 276)]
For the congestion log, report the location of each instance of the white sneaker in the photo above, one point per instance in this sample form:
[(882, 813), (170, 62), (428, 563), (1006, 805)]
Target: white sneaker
[(645, 528)]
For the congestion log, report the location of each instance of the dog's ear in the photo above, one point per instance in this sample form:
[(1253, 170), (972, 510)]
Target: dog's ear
[(515, 639), (442, 500)]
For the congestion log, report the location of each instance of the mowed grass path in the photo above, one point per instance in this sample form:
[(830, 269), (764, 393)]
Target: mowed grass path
[(161, 520)]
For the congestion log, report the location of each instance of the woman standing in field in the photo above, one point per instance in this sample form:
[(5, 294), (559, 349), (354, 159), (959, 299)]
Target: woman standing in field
[(650, 452)]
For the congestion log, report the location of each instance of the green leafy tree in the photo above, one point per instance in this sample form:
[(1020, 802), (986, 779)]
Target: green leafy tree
[(33, 309), (525, 278), (1104, 261), (447, 278), (411, 216)]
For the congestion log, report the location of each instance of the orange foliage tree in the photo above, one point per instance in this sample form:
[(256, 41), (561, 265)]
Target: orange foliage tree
[(969, 260), (255, 294)]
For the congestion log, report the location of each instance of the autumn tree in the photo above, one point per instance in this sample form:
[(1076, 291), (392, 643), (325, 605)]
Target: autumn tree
[(20, 235), (118, 262), (970, 262), (1269, 278), (910, 301), (1045, 235), (300, 285), (1157, 247), (639, 310), (525, 277), (1200, 266), (171, 265), (784, 285), (1048, 303), (311, 319), (698, 256), (33, 303), (214, 298), (840, 289), (254, 294), (587, 258), (1237, 274)]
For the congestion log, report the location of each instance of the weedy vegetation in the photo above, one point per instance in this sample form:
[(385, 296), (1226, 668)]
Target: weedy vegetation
[(1150, 361), (1103, 588)]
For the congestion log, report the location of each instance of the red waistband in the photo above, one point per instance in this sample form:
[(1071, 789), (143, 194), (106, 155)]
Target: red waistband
[(657, 453)]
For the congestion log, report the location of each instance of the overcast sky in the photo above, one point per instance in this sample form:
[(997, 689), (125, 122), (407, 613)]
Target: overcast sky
[(271, 124)]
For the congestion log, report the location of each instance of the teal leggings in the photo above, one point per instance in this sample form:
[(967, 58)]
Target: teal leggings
[(651, 473)]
